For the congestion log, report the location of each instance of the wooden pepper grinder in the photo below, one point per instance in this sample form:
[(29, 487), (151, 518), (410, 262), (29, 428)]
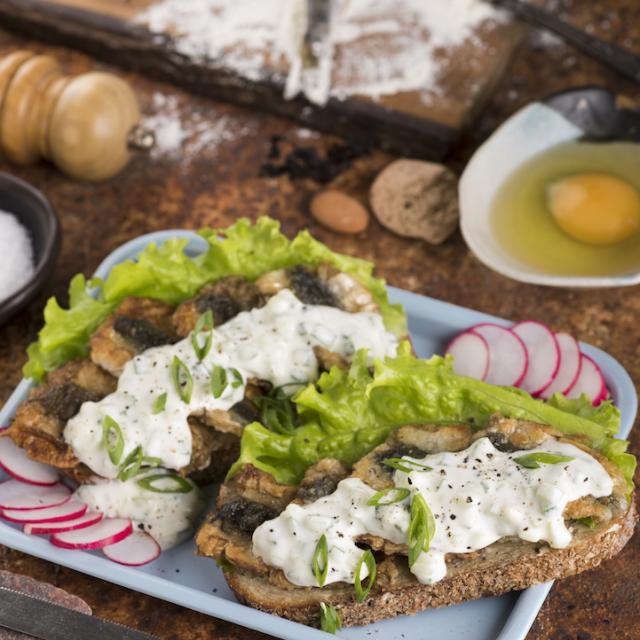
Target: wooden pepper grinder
[(86, 125)]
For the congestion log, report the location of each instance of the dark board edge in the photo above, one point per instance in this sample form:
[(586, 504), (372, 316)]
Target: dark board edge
[(135, 48)]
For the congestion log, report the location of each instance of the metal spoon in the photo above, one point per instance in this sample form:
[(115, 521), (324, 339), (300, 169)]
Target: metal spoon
[(601, 114)]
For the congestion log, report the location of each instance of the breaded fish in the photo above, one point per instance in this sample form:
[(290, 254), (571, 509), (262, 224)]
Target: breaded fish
[(225, 298), (324, 285), (136, 325), (39, 421)]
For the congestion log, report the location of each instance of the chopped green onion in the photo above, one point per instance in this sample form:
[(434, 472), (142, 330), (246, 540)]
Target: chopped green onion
[(329, 618), (402, 464), (224, 564), (533, 460), (201, 350), (368, 559), (320, 561), (377, 499), (290, 384), (151, 461), (218, 381), (131, 465), (159, 404), (276, 410), (204, 323), (180, 484), (182, 380), (238, 380), (112, 439), (422, 528), (589, 521)]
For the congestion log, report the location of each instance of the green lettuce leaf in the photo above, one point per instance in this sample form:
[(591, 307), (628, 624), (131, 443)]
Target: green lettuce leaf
[(605, 414), (167, 273), (66, 332), (347, 413)]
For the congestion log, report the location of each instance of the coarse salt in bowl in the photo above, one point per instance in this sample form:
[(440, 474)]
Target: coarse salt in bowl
[(16, 249), (29, 235)]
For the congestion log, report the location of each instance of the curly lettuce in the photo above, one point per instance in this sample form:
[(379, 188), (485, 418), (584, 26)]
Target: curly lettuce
[(168, 274), (347, 413)]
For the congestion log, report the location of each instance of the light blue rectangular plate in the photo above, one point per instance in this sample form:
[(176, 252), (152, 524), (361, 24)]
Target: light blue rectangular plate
[(185, 579)]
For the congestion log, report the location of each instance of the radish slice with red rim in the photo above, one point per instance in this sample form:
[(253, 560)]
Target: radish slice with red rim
[(570, 364), (19, 495), (544, 355), (590, 382), (107, 531), (470, 353), (44, 528), (508, 359), (18, 465), (67, 511), (137, 549)]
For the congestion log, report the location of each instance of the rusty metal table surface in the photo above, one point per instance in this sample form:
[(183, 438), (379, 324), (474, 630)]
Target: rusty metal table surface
[(218, 180)]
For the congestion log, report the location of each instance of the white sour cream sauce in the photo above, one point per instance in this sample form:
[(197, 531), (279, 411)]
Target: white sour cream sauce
[(273, 343), (477, 496), (168, 517)]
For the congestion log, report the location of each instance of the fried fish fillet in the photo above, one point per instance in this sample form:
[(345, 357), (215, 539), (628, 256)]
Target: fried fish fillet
[(135, 326), (324, 286), (225, 298), (229, 296), (39, 421)]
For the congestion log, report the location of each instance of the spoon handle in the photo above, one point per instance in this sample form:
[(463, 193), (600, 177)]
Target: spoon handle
[(624, 62)]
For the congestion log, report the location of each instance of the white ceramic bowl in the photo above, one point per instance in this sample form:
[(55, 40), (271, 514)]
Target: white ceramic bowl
[(530, 131)]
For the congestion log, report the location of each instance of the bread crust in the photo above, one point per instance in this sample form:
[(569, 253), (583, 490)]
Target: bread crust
[(508, 564), (504, 566)]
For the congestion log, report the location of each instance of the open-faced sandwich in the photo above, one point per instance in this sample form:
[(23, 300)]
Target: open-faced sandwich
[(434, 516), (482, 491)]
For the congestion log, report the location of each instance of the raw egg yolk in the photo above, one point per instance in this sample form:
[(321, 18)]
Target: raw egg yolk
[(595, 208)]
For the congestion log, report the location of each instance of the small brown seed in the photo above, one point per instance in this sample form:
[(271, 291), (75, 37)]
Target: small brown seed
[(339, 212)]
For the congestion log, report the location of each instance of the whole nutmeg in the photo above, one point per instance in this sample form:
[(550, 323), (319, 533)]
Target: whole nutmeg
[(339, 212), (416, 199)]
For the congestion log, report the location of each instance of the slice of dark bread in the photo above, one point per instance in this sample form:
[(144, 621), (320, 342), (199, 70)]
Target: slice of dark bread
[(504, 566), (508, 564)]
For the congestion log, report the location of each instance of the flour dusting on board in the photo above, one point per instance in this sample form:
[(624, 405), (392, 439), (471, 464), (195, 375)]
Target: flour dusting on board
[(247, 36), (190, 133), (373, 47)]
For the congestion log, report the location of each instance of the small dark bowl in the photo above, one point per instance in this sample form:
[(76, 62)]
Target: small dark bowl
[(36, 214)]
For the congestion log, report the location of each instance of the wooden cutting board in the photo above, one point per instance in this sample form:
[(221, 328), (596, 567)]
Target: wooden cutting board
[(405, 123)]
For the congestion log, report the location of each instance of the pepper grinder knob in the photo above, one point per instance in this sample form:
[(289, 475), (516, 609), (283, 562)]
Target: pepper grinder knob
[(83, 124)]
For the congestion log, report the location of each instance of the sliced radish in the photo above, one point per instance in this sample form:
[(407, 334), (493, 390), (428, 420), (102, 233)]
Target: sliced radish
[(508, 359), (107, 531), (570, 363), (137, 549), (470, 353), (544, 355), (16, 463), (67, 525), (19, 495), (590, 381), (67, 511)]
